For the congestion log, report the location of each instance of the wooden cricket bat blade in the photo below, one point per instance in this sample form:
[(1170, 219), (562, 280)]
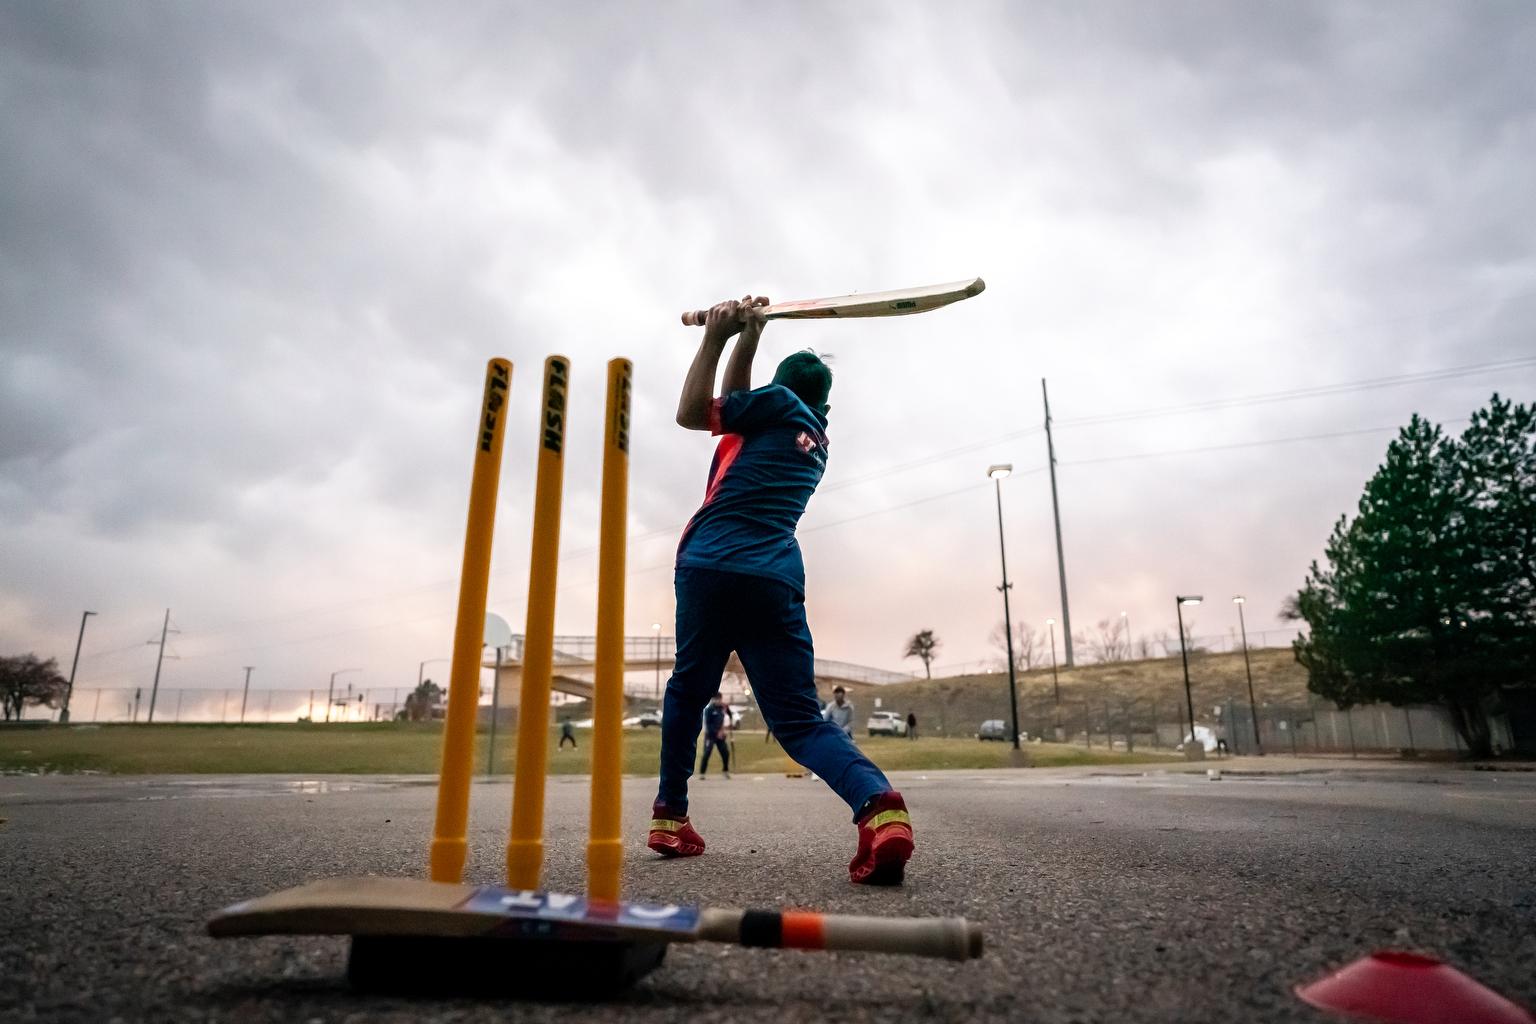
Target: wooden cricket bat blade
[(405, 907), (903, 302)]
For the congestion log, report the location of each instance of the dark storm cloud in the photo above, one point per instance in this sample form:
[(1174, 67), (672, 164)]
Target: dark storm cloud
[(188, 268)]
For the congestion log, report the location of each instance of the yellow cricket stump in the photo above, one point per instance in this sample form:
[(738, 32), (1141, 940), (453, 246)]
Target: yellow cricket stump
[(449, 842), (525, 845), (605, 852)]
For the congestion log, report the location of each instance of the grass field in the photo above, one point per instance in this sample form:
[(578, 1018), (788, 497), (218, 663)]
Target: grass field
[(408, 748)]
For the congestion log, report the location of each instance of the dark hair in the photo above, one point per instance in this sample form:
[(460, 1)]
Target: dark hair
[(838, 689), (807, 375), (717, 694)]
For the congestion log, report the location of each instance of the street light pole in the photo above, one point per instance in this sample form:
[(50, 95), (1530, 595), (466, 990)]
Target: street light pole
[(490, 754), (330, 693), (422, 667), (246, 692), (997, 473), (1130, 648), (69, 691), (1253, 707), (1189, 700)]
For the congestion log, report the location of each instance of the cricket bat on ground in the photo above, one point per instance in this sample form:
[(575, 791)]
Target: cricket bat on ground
[(898, 303), (418, 908)]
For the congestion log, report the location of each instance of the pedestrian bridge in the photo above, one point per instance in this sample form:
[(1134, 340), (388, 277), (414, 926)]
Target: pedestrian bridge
[(575, 657)]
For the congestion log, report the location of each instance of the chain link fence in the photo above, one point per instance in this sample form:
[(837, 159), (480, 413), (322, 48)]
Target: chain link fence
[(1231, 726)]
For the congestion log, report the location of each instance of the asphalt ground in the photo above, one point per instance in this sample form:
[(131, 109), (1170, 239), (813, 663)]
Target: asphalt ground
[(1106, 895)]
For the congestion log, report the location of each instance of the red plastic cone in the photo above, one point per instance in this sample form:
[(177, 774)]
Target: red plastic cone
[(1406, 988)]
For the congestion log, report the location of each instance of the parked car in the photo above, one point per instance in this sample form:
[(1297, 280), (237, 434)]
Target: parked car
[(993, 729), (650, 718), (887, 723)]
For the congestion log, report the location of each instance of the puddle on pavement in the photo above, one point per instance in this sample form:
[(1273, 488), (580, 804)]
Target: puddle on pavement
[(179, 789)]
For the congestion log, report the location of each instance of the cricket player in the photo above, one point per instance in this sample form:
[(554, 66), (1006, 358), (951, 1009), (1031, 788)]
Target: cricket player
[(740, 587), (716, 723)]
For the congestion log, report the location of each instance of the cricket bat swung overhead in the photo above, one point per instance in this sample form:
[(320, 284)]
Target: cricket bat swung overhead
[(902, 302)]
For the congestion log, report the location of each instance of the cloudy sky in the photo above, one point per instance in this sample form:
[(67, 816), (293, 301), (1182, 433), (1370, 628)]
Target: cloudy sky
[(253, 257)]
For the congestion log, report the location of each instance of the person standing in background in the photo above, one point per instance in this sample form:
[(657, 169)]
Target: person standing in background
[(840, 712)]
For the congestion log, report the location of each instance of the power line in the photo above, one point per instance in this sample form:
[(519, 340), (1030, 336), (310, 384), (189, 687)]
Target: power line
[(137, 645), (319, 636), (1239, 444), (930, 459), (1293, 394), (894, 508), (583, 552), (838, 522)]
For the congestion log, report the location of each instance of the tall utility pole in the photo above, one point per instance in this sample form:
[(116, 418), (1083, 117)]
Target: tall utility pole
[(1189, 700), (154, 690), (1253, 705), (997, 473), (246, 692), (1061, 560), (70, 690)]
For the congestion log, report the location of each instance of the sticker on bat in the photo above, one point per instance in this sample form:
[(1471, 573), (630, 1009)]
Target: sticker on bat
[(556, 908)]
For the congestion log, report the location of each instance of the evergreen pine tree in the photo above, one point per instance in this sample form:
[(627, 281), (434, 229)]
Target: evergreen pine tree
[(1429, 594)]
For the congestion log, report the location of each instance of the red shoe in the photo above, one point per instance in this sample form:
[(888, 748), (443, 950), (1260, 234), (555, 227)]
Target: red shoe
[(672, 835), (885, 842)]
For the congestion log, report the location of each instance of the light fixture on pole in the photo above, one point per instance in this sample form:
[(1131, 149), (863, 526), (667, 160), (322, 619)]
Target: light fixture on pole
[(69, 691), (1189, 700), (1253, 707), (1130, 648), (997, 473), (330, 694), (656, 629)]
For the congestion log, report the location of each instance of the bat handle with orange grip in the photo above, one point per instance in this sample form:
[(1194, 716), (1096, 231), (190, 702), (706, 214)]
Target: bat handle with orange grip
[(950, 938)]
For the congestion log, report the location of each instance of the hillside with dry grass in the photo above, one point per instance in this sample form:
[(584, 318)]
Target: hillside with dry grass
[(1136, 692)]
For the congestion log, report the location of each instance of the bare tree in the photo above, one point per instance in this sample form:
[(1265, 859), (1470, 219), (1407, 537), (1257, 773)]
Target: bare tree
[(1169, 640), (26, 679), (923, 644), (1108, 642), (1028, 645)]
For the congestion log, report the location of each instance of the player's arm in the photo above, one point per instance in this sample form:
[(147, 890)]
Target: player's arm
[(722, 322), (738, 369)]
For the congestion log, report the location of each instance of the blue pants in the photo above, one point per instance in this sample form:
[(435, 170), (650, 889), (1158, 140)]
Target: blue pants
[(710, 745), (763, 621)]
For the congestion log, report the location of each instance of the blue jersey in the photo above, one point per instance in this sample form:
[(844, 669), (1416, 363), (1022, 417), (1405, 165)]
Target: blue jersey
[(771, 456)]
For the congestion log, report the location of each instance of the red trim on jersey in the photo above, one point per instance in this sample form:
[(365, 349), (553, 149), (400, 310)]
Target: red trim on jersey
[(725, 455), (715, 426), (730, 447)]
